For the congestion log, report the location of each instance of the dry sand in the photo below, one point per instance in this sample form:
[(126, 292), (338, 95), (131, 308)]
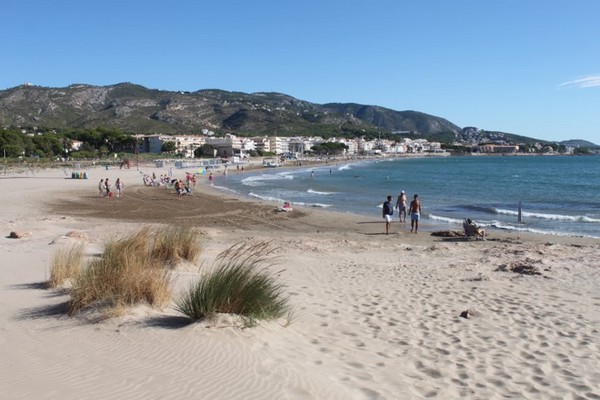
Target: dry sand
[(376, 316)]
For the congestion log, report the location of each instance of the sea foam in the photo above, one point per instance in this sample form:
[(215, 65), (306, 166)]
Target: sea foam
[(319, 193), (257, 180), (575, 218)]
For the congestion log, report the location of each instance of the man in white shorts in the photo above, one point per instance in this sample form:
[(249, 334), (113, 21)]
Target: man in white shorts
[(388, 212)]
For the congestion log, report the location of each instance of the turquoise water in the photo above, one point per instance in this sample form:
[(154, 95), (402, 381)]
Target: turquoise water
[(558, 194)]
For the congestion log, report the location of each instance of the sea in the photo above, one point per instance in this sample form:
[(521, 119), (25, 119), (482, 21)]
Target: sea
[(557, 195)]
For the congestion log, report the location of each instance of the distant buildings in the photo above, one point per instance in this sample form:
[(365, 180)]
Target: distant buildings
[(231, 145)]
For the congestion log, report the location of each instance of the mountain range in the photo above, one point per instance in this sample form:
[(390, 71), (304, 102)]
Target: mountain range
[(137, 109)]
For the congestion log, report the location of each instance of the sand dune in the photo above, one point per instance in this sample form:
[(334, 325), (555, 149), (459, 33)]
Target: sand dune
[(374, 316)]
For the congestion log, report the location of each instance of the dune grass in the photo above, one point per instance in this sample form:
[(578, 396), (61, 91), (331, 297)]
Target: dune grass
[(66, 264), (126, 274), (238, 285), (176, 242)]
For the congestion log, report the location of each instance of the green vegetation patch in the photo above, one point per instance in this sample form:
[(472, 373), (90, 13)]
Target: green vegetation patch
[(240, 285)]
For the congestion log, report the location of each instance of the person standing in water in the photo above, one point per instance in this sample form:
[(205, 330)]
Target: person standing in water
[(415, 213)]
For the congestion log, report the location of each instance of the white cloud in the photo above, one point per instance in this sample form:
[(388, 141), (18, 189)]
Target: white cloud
[(583, 82)]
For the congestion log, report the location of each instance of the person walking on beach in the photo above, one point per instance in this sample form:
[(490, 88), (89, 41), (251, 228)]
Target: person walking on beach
[(401, 206), (101, 187), (179, 188), (107, 187), (415, 213), (211, 178), (119, 186), (388, 212)]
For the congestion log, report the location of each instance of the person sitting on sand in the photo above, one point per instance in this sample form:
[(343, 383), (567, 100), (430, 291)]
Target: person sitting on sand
[(475, 230), (287, 206)]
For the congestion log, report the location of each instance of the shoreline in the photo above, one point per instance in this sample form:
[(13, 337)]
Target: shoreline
[(431, 224), (428, 225), (375, 316)]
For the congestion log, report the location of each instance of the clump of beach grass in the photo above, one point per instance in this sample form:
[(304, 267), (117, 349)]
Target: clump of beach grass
[(126, 274), (176, 242), (66, 265), (238, 285)]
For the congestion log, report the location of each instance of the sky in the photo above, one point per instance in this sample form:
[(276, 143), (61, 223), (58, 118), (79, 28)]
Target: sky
[(530, 68)]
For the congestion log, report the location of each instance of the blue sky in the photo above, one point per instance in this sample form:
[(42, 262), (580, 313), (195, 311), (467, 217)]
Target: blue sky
[(523, 67)]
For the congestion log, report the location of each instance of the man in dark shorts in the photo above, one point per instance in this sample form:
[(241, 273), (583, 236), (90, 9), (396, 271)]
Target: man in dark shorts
[(415, 213)]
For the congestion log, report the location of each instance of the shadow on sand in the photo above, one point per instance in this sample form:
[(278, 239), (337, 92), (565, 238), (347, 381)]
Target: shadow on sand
[(167, 322), (46, 311)]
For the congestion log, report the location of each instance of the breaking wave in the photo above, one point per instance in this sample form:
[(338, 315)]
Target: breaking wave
[(560, 217), (319, 193)]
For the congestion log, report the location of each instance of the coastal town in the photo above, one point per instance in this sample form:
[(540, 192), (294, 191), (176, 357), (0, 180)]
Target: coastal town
[(231, 145)]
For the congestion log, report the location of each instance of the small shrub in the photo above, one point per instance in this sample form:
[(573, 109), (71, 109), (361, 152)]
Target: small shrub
[(66, 264), (176, 242), (237, 286), (126, 274)]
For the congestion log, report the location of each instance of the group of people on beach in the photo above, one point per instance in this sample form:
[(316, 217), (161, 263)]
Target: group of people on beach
[(181, 188), (414, 209), (105, 188)]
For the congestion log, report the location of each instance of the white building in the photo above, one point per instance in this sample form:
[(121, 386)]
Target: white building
[(279, 145)]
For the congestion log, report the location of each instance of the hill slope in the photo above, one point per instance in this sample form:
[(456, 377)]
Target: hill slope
[(137, 109), (578, 143)]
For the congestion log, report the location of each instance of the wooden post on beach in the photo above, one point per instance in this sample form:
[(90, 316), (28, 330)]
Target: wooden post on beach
[(520, 213)]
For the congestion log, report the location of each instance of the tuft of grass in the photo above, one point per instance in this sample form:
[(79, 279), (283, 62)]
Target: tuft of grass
[(126, 274), (238, 285), (66, 265), (176, 242)]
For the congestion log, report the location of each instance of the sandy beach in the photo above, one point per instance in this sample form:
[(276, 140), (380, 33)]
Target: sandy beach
[(375, 316)]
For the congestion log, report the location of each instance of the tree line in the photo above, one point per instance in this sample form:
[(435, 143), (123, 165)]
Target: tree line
[(51, 143)]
